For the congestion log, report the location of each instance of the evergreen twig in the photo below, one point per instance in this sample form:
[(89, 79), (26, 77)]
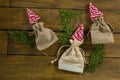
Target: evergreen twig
[(68, 17), (22, 37), (96, 57)]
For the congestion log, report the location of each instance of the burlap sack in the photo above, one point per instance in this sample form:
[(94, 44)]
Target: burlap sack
[(101, 32), (44, 37), (72, 59)]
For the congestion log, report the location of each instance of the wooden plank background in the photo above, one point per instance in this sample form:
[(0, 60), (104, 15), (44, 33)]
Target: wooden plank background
[(3, 42), (15, 17), (4, 2), (112, 50), (73, 4), (39, 68), (19, 62)]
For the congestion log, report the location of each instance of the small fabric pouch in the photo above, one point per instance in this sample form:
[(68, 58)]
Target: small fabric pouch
[(101, 32), (44, 37), (72, 59)]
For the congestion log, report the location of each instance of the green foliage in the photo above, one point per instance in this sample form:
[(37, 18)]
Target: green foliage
[(22, 37), (68, 18), (96, 59)]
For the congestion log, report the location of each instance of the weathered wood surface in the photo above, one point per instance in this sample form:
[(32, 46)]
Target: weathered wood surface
[(39, 68), (4, 2), (112, 50), (16, 18), (19, 66), (3, 42), (74, 4)]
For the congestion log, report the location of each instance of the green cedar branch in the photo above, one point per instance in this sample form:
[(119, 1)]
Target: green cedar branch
[(96, 58), (68, 19), (22, 37)]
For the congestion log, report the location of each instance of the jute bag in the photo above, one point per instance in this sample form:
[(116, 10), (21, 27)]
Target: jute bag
[(44, 37), (101, 32), (72, 59)]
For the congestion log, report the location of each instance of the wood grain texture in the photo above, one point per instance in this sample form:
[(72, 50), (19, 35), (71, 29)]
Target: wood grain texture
[(112, 50), (39, 68), (4, 2), (76, 4), (3, 42), (18, 19), (21, 63)]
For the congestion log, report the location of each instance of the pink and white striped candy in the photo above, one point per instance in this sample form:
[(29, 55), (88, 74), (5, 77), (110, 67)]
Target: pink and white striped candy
[(78, 34), (94, 12), (33, 18)]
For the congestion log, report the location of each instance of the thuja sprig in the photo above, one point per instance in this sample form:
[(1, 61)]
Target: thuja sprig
[(22, 37), (68, 18), (96, 57)]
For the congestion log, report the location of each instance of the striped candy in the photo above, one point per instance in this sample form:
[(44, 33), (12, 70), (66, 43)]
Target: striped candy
[(33, 18), (94, 12), (78, 34)]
